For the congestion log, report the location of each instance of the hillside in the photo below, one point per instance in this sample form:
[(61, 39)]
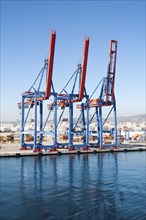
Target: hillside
[(135, 118), (121, 119)]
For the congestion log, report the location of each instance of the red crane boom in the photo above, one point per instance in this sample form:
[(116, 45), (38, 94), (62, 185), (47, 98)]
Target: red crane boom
[(111, 71), (50, 65), (84, 67)]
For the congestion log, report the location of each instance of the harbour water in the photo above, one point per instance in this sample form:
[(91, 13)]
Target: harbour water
[(105, 186)]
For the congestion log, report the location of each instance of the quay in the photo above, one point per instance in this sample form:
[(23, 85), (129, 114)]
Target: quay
[(13, 150)]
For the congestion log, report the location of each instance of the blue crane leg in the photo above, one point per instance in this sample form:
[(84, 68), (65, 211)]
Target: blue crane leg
[(35, 122), (100, 125), (41, 121), (84, 125), (97, 120), (70, 135), (55, 122), (87, 126), (22, 121), (115, 125)]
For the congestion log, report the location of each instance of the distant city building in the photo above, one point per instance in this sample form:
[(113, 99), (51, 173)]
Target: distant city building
[(129, 130)]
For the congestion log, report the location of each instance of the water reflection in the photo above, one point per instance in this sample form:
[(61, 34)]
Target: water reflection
[(70, 187), (74, 185)]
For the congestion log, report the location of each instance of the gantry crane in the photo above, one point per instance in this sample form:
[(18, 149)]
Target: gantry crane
[(33, 99), (107, 97), (67, 99)]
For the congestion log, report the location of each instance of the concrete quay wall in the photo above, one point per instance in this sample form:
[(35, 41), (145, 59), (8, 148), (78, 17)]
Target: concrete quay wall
[(13, 150)]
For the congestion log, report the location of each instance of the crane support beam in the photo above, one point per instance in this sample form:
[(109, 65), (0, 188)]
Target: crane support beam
[(84, 67), (111, 71), (50, 65)]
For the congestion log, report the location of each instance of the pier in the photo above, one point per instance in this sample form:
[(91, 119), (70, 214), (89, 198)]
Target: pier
[(13, 150)]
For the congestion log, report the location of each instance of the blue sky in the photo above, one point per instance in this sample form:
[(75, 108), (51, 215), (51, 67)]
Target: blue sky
[(25, 37)]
